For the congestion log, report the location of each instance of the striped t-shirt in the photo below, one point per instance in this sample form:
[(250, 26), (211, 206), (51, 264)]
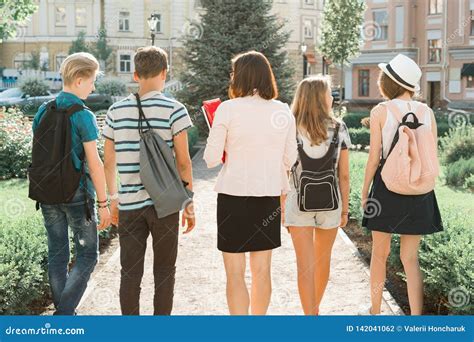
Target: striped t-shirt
[(166, 116)]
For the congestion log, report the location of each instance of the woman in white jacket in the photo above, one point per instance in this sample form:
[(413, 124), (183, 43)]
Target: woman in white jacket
[(258, 135)]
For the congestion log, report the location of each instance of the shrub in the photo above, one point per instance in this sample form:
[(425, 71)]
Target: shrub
[(23, 259), (353, 120), (34, 87), (459, 143), (446, 259), (111, 86), (469, 183), (15, 143), (457, 173), (360, 136), (443, 128)]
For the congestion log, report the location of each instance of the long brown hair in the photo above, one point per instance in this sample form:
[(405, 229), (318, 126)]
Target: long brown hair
[(309, 108), (251, 74)]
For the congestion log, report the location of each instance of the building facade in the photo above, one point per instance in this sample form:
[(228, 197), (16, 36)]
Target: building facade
[(50, 31), (437, 34)]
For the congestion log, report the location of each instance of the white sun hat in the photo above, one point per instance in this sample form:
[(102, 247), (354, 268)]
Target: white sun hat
[(404, 71)]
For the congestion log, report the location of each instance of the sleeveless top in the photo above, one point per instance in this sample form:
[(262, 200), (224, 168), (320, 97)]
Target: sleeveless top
[(391, 123)]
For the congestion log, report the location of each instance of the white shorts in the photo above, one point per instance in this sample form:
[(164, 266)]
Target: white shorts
[(321, 219)]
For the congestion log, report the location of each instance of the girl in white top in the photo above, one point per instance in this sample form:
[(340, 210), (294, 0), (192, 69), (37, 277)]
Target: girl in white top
[(257, 134), (313, 233), (386, 212)]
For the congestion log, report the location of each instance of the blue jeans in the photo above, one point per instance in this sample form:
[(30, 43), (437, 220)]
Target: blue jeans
[(68, 287)]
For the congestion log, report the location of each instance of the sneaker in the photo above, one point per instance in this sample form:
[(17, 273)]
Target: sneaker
[(367, 312)]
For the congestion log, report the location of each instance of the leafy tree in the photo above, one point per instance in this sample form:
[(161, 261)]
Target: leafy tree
[(101, 48), (13, 13), (227, 28), (340, 38), (79, 44), (34, 63)]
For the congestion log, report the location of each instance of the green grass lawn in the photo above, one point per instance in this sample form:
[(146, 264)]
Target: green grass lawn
[(14, 201)]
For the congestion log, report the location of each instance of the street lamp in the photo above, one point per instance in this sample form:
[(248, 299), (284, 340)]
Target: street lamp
[(152, 22), (303, 48)]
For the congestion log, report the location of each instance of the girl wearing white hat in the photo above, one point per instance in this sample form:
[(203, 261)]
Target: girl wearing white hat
[(386, 212)]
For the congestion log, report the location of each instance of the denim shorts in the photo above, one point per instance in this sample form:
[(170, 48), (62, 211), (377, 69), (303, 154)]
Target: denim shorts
[(294, 217)]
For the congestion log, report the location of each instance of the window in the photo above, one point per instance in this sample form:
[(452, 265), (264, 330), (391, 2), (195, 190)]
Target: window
[(158, 22), (472, 23), (81, 16), (60, 16), (470, 82), (21, 61), (364, 82), (308, 29), (309, 2), (125, 63), (381, 25), (59, 60), (124, 21), (436, 7), (434, 50)]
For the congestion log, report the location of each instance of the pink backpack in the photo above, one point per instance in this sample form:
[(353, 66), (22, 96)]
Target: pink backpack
[(411, 166)]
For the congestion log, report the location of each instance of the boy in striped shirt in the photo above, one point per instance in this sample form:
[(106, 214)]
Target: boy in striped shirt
[(133, 205)]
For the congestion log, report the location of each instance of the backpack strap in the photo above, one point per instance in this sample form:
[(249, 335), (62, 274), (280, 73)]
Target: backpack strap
[(141, 115), (335, 143), (421, 111), (74, 109)]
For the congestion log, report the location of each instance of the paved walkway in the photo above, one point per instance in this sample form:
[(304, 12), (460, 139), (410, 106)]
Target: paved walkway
[(200, 278)]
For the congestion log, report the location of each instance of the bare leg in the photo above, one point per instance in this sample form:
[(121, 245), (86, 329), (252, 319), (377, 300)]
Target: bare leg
[(323, 242), (236, 290), (304, 249), (260, 266), (409, 256), (378, 268)]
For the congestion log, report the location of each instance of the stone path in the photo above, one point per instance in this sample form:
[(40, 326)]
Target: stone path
[(200, 278)]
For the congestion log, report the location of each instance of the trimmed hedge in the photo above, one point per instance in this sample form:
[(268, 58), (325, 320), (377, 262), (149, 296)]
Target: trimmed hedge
[(353, 120), (360, 136)]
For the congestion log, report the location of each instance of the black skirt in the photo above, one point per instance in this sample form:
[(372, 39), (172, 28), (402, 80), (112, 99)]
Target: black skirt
[(248, 224), (390, 212)]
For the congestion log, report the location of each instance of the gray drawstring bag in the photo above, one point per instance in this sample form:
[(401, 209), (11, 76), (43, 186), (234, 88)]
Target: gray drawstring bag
[(158, 171)]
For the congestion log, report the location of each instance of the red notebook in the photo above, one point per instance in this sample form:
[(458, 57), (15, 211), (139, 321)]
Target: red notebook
[(209, 108)]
